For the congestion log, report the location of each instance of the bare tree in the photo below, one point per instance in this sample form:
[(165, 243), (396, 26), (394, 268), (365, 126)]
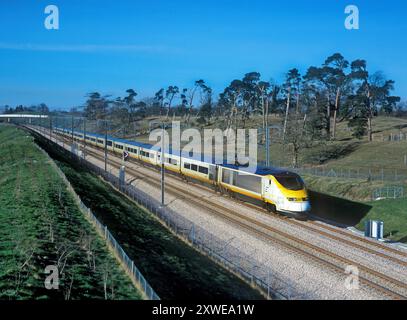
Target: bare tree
[(292, 85), (189, 95), (170, 94)]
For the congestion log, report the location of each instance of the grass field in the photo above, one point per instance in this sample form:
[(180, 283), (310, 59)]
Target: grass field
[(394, 214), (352, 189), (327, 204), (173, 268), (41, 225)]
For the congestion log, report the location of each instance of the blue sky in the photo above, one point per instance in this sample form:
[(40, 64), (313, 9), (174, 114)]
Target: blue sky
[(110, 46)]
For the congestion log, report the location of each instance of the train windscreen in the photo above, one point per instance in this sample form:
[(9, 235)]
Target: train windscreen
[(291, 182)]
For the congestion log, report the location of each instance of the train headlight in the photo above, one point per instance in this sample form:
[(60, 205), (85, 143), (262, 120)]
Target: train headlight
[(298, 199)]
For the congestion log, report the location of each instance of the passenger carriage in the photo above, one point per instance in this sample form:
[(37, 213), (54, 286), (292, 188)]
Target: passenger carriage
[(281, 190)]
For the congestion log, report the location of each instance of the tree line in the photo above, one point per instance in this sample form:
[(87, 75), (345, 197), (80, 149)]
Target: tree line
[(335, 91), (310, 105), (42, 108)]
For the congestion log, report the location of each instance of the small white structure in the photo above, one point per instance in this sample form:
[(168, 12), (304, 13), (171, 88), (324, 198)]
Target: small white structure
[(374, 229)]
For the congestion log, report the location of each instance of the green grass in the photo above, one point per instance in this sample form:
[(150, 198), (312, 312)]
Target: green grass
[(393, 213), (173, 268), (352, 189), (41, 225), (376, 154), (388, 155), (348, 202)]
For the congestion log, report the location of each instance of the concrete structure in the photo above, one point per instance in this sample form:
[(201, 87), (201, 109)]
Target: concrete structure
[(23, 116), (8, 117)]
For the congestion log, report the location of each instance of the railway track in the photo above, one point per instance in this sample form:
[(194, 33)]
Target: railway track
[(344, 237), (359, 242), (386, 285)]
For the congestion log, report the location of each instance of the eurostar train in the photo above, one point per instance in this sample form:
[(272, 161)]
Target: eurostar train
[(279, 190)]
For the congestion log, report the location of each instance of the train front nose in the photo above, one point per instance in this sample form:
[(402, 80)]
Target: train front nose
[(305, 206)]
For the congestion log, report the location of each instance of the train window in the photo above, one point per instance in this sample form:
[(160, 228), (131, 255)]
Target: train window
[(291, 182), (109, 143), (152, 155), (194, 167), (203, 170), (100, 141), (171, 161), (187, 166)]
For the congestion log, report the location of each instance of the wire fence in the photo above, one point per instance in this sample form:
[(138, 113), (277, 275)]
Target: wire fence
[(393, 192), (392, 137), (218, 249), (271, 282), (131, 269), (370, 174)]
